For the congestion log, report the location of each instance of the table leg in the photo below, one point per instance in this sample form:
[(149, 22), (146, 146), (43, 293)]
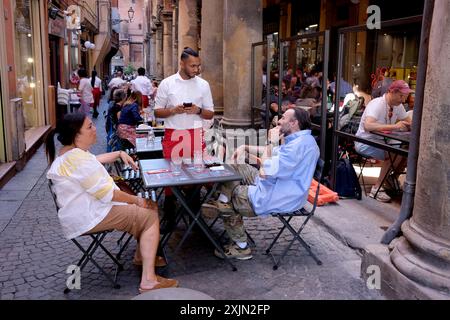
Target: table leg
[(197, 219), (178, 217), (391, 169)]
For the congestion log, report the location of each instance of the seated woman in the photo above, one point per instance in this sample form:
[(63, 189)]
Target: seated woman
[(119, 99), (129, 117), (91, 202)]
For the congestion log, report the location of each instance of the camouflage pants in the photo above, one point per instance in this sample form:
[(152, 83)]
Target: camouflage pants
[(237, 192)]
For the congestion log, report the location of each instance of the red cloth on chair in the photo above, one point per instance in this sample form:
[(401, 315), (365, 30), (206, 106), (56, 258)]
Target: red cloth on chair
[(182, 141), (145, 102)]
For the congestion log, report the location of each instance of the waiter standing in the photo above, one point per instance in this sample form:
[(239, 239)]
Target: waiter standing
[(143, 85), (184, 100)]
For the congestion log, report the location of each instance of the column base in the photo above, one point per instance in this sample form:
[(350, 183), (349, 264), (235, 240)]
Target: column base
[(395, 285), (233, 123), (423, 257)]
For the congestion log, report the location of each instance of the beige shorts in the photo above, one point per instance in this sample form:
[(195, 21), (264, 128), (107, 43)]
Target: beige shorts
[(130, 218)]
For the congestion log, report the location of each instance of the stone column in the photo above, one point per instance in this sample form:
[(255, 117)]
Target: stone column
[(418, 266), (187, 23), (242, 27), (212, 50), (423, 253), (152, 65), (166, 17), (175, 26), (159, 51)]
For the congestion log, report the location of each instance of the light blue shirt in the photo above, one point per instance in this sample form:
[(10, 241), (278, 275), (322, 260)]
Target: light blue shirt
[(288, 175)]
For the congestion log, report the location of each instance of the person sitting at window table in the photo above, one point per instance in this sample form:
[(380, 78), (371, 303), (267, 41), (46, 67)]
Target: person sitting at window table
[(129, 117), (410, 104), (287, 100), (385, 113), (91, 202), (281, 185)]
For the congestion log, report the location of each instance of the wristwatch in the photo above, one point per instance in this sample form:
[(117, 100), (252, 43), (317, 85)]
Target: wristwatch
[(199, 111)]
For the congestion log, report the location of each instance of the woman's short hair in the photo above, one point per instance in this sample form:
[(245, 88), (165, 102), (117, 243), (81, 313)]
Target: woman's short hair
[(66, 130), (69, 127), (82, 73), (119, 95)]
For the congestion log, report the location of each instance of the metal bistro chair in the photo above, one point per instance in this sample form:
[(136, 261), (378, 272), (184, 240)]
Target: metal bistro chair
[(97, 239), (285, 218)]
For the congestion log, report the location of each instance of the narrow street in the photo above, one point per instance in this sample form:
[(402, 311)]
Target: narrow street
[(34, 255)]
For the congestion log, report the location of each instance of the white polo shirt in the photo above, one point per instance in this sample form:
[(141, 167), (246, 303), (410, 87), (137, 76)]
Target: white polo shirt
[(142, 84), (86, 90), (97, 83), (116, 82), (379, 109), (174, 90)]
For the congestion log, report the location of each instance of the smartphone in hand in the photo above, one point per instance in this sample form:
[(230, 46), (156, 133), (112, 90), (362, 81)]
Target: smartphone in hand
[(187, 105)]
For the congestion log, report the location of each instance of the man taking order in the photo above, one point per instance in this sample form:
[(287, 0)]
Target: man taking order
[(183, 100)]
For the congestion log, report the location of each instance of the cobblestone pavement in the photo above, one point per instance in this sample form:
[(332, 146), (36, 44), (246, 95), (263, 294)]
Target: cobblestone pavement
[(34, 256)]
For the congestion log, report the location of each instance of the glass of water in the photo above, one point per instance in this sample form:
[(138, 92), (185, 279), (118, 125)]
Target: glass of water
[(150, 138), (175, 166), (198, 160)]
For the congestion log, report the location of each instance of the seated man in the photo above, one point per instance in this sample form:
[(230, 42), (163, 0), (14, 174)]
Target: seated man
[(281, 185), (384, 113)]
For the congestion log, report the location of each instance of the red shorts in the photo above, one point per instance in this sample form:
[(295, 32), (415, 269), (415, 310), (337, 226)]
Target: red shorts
[(145, 102), (182, 143), (97, 95)]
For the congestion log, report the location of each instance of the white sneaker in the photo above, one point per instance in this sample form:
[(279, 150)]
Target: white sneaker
[(381, 195)]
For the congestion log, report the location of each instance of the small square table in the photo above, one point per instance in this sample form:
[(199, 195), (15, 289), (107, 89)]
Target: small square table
[(149, 151), (156, 173)]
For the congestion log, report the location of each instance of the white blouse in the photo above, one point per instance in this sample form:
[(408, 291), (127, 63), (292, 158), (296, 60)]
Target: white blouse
[(86, 90), (83, 189)]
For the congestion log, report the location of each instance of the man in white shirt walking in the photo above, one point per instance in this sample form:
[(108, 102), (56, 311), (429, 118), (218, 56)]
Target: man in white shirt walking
[(183, 100), (143, 85), (117, 81)]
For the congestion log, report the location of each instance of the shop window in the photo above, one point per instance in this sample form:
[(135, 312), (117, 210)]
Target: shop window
[(25, 62)]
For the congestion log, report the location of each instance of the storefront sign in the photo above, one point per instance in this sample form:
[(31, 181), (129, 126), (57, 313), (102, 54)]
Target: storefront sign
[(57, 27), (115, 19), (74, 37)]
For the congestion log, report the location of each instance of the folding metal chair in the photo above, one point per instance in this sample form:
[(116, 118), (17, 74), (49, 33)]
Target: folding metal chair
[(285, 218), (362, 164), (97, 239)]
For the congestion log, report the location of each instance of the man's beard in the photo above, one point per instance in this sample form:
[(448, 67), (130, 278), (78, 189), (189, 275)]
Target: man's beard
[(284, 132)]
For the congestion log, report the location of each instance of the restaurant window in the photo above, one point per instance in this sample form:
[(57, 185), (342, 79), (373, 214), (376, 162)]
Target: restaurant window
[(370, 61), (25, 62)]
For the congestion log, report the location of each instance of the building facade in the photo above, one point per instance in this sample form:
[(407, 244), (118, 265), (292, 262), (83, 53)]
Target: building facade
[(38, 51)]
